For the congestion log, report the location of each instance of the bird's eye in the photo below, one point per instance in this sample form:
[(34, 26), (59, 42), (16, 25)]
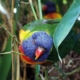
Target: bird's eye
[(34, 41)]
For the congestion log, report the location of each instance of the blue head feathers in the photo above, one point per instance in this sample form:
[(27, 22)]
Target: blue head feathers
[(38, 39)]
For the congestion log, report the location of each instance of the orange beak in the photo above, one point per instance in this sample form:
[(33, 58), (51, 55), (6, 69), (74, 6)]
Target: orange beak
[(39, 51)]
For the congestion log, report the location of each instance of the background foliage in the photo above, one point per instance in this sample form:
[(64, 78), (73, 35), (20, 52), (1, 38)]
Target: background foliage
[(10, 24)]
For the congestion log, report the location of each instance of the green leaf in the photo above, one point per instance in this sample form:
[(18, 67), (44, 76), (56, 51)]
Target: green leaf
[(0, 61), (66, 23), (71, 42), (6, 62)]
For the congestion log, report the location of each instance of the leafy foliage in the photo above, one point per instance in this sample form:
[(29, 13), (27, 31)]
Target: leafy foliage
[(6, 62), (64, 37)]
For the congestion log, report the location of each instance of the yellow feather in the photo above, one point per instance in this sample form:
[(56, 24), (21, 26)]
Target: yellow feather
[(25, 34), (22, 34), (29, 34)]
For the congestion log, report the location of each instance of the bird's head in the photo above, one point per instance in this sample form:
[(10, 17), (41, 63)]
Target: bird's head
[(37, 47), (49, 7)]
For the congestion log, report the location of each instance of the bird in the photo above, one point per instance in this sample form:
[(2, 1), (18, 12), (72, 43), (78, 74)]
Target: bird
[(35, 46), (50, 11), (42, 29)]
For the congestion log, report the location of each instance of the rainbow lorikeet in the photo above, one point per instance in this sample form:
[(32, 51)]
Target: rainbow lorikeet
[(49, 11), (35, 46)]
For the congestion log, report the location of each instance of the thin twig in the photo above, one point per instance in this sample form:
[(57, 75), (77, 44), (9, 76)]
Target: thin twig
[(36, 8), (10, 52), (13, 42), (40, 9), (33, 10), (30, 1), (15, 38), (7, 52), (42, 78), (74, 71), (17, 63), (7, 30), (25, 2), (10, 34)]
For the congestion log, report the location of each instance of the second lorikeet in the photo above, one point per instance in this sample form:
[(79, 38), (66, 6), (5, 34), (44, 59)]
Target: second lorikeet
[(49, 10)]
